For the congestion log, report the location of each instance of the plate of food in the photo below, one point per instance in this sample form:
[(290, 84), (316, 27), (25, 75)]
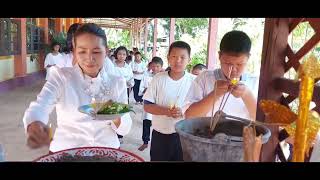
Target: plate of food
[(91, 154), (106, 111)]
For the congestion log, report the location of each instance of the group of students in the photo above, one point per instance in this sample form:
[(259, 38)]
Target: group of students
[(167, 96)]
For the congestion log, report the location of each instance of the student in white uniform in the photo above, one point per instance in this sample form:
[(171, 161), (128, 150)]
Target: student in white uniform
[(234, 54), (129, 60), (131, 53), (155, 67), (138, 68), (121, 68), (69, 88), (164, 99), (54, 58)]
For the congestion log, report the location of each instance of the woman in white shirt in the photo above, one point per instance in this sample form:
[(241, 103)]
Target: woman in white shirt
[(69, 88), (54, 58), (68, 52), (121, 68)]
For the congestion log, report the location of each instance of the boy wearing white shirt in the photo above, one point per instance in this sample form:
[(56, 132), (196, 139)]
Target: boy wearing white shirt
[(138, 68), (155, 67), (234, 54), (164, 98)]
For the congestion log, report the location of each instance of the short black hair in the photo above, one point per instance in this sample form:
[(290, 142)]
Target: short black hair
[(236, 42), (157, 60), (136, 53), (199, 66), (119, 49), (180, 44), (93, 29), (131, 52), (168, 68), (129, 58), (54, 43)]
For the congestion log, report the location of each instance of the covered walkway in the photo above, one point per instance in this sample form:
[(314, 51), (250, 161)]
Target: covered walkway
[(22, 37)]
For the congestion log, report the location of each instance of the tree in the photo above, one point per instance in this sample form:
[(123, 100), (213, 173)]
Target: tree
[(186, 26), (118, 37), (198, 58)]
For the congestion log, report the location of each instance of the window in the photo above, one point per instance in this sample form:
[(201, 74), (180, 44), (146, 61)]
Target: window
[(34, 36), (9, 37)]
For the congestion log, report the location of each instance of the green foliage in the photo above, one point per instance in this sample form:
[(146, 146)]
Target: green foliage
[(197, 58), (189, 26), (118, 38)]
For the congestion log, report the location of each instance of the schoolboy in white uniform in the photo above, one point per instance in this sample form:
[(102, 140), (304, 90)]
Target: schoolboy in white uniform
[(155, 67), (164, 99), (234, 54)]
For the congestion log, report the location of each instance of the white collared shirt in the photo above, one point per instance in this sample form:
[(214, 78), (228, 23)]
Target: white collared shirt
[(166, 92), (144, 84), (65, 90), (109, 67), (139, 67), (51, 59), (204, 84), (68, 58), (125, 72)]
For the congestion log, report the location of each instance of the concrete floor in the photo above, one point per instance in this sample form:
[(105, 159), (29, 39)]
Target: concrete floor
[(13, 138)]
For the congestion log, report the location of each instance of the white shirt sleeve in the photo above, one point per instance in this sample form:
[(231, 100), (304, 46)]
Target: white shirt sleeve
[(48, 60), (142, 86), (131, 81), (109, 67), (126, 121), (151, 92), (195, 93), (40, 109), (145, 68)]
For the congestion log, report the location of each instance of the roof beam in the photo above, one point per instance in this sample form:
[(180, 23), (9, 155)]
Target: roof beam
[(121, 20)]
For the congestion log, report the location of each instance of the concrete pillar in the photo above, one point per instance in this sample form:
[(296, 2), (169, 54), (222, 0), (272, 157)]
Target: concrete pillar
[(172, 30), (155, 34), (212, 39), (20, 67)]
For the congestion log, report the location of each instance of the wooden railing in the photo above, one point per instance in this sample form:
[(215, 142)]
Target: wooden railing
[(273, 67)]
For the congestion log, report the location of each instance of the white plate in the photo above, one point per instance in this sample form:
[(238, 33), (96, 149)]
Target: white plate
[(89, 110)]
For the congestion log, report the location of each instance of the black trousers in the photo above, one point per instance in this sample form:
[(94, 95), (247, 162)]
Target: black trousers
[(146, 131), (165, 147), (128, 92), (136, 90)]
